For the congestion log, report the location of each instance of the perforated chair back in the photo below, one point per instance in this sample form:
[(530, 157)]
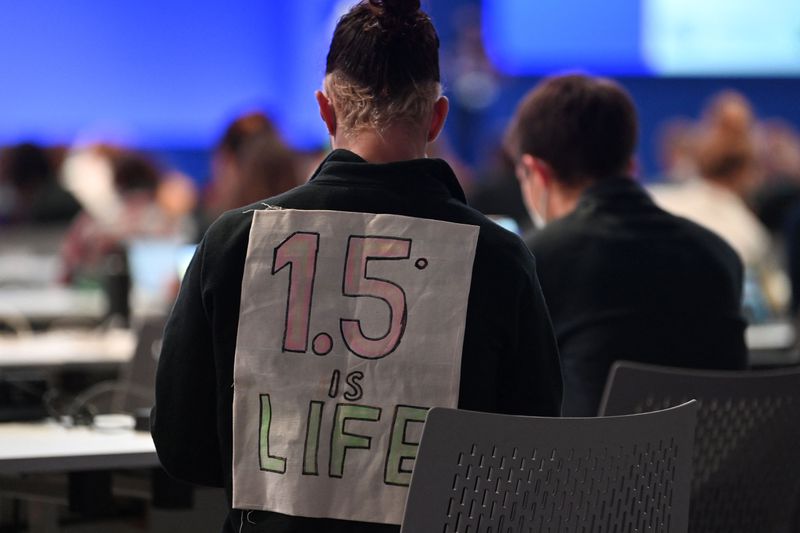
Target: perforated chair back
[(489, 473), (746, 462)]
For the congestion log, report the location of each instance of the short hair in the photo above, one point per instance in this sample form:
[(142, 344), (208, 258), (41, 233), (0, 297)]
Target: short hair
[(584, 127), (725, 143), (134, 171), (26, 166), (383, 65), (243, 128)]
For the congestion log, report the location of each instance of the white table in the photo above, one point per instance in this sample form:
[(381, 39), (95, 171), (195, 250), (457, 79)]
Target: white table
[(47, 448), (27, 448), (59, 348), (772, 344), (47, 303)]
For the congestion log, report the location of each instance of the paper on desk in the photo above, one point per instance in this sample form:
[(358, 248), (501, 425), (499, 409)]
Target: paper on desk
[(351, 326)]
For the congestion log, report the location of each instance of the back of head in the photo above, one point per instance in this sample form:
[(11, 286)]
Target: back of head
[(268, 167), (26, 167), (585, 128), (251, 163), (725, 147), (135, 173), (242, 129), (383, 65)]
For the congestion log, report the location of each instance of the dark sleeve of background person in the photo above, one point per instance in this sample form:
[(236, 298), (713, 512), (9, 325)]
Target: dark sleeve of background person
[(54, 205), (792, 229), (183, 421), (775, 202)]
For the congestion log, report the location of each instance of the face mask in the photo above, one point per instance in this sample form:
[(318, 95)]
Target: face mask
[(539, 222)]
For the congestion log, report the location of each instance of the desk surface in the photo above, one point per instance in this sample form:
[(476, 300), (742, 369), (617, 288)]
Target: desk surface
[(67, 347), (772, 344), (51, 303), (49, 447)]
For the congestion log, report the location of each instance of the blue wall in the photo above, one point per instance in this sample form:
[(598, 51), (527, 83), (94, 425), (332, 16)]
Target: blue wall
[(168, 75), (657, 100)]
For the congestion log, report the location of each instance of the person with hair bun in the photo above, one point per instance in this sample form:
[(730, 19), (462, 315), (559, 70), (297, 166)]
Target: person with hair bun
[(314, 329)]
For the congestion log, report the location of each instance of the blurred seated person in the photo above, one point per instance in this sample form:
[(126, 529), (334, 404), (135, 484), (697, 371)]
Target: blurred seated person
[(251, 162), (676, 150), (32, 193), (778, 195), (622, 278), (729, 172), (133, 214), (177, 196)]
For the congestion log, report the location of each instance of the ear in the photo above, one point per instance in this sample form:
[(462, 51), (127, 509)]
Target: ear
[(440, 109), (525, 167), (326, 111), (633, 167), (541, 171)]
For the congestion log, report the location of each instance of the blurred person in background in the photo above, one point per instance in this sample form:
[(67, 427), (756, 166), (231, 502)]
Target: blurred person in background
[(31, 193), (623, 279), (778, 150), (131, 213), (177, 196), (676, 150), (777, 202), (729, 172), (251, 162)]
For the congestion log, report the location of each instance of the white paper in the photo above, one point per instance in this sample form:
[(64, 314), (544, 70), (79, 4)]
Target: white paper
[(351, 326)]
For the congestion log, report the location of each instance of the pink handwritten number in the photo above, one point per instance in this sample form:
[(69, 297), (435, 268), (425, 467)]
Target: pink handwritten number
[(357, 283), (299, 252)]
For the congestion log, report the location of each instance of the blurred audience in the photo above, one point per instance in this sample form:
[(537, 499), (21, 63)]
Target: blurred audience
[(251, 162), (778, 149), (729, 172), (178, 198), (676, 150), (777, 202), (623, 279), (30, 193), (131, 213)]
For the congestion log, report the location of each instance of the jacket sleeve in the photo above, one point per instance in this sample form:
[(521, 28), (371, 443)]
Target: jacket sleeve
[(535, 376), (183, 421)]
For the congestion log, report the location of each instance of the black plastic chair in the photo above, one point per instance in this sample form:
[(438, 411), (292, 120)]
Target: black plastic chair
[(489, 473), (746, 463)]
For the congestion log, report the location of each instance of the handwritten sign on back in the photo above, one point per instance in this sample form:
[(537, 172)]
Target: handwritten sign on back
[(351, 327)]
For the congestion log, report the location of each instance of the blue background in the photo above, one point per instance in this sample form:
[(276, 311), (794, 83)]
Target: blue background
[(167, 76)]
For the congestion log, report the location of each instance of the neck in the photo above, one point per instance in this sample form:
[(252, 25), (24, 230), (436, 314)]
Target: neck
[(563, 201), (393, 144)]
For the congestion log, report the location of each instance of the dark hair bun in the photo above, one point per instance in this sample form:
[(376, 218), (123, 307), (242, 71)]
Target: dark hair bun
[(397, 9), (387, 46)]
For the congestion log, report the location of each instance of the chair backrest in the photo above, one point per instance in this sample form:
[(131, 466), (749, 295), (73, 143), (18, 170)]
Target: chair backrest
[(138, 377), (489, 473), (746, 465)]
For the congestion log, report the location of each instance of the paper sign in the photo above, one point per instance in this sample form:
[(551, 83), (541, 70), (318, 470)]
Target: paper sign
[(351, 327)]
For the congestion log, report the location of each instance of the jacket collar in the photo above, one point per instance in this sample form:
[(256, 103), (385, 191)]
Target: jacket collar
[(614, 192), (432, 176)]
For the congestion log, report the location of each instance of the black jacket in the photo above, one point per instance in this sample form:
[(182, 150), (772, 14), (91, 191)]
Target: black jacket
[(624, 279), (509, 363)]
